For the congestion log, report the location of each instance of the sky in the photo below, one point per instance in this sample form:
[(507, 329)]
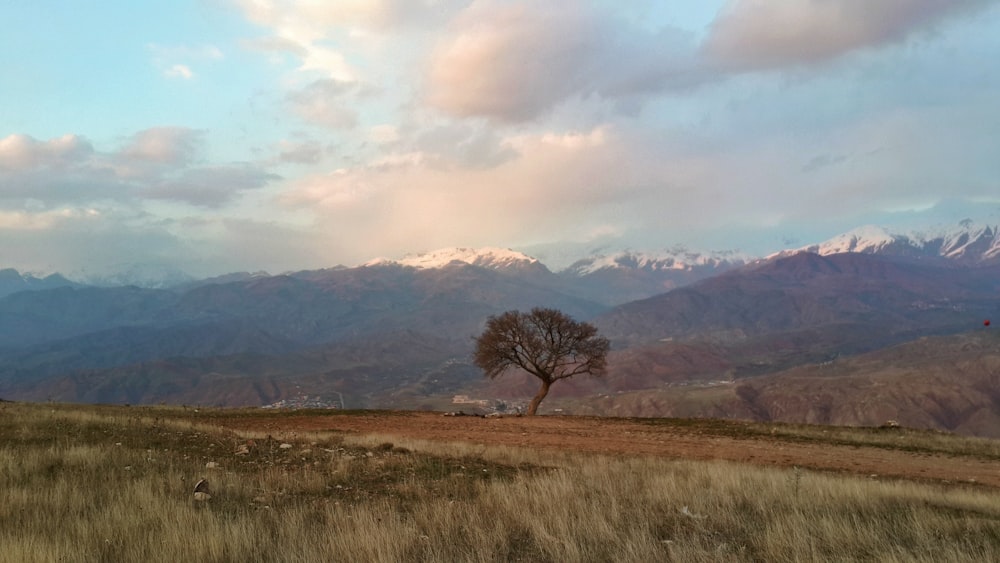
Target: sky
[(215, 136)]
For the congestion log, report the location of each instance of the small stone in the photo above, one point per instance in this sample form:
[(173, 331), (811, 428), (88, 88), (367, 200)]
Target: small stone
[(211, 465), (201, 497), (286, 446), (243, 449)]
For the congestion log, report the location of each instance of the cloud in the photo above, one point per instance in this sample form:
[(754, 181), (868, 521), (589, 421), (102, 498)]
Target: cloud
[(324, 103), (307, 28), (158, 163), (208, 186), (166, 145), (179, 71), (22, 152), (760, 34), (81, 241), (514, 61), (174, 61), (299, 152), (553, 185), (382, 16), (274, 45), (59, 170), (384, 134)]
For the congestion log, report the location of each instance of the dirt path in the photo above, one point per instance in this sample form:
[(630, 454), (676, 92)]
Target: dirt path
[(615, 436)]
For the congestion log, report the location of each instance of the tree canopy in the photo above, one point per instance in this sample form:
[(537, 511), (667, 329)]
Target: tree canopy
[(546, 343)]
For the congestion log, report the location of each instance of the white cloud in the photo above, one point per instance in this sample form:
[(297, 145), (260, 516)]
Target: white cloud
[(179, 71), (174, 61)]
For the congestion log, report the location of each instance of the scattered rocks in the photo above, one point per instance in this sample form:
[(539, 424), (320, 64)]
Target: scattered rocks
[(242, 449), (211, 465), (286, 446)]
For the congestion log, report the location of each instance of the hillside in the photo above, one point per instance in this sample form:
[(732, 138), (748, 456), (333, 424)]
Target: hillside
[(398, 334), (949, 383)]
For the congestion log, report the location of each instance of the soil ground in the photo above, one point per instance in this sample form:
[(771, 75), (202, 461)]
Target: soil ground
[(707, 440)]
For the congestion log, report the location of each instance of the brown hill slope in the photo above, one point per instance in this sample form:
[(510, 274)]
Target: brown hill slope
[(946, 383)]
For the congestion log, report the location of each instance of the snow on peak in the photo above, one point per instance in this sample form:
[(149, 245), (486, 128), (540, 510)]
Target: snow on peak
[(488, 257), (865, 239), (968, 241), (678, 258)]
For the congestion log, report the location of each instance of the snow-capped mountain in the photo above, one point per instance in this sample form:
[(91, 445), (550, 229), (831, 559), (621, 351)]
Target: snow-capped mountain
[(629, 275), (488, 257), (967, 242), (675, 259), (150, 276)]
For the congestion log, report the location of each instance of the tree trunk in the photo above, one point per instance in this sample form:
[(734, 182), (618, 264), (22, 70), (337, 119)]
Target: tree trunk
[(538, 397)]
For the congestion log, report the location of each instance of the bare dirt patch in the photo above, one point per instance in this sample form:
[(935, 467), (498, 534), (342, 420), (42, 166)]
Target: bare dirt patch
[(696, 440)]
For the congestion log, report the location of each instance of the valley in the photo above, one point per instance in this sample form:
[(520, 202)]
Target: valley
[(858, 337)]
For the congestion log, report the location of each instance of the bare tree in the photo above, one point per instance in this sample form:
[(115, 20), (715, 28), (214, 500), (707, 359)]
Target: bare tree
[(546, 343)]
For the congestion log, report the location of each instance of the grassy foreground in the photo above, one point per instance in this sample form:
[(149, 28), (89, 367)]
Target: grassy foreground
[(116, 484)]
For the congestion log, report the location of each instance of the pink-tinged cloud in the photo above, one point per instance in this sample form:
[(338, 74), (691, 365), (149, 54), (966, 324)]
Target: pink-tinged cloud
[(23, 152), (325, 103), (513, 61), (765, 34), (554, 186), (165, 145)]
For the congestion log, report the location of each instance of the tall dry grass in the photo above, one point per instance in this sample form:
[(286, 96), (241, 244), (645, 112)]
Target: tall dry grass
[(83, 484)]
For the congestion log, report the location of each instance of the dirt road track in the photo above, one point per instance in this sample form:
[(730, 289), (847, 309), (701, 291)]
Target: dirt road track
[(628, 437)]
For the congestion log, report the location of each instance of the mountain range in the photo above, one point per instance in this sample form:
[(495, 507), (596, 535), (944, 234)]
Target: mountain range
[(687, 329)]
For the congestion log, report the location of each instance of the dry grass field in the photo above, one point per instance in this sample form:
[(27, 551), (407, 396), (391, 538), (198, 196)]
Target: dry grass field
[(104, 484)]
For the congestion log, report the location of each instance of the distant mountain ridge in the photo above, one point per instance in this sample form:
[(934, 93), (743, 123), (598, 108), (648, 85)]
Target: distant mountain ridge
[(399, 333), (492, 258), (968, 243), (674, 259), (610, 276), (12, 281)]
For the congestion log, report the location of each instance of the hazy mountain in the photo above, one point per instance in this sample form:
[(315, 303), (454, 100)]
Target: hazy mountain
[(151, 276), (72, 333), (12, 281), (399, 332)]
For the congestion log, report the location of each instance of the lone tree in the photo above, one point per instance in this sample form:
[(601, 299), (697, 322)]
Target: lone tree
[(545, 343)]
